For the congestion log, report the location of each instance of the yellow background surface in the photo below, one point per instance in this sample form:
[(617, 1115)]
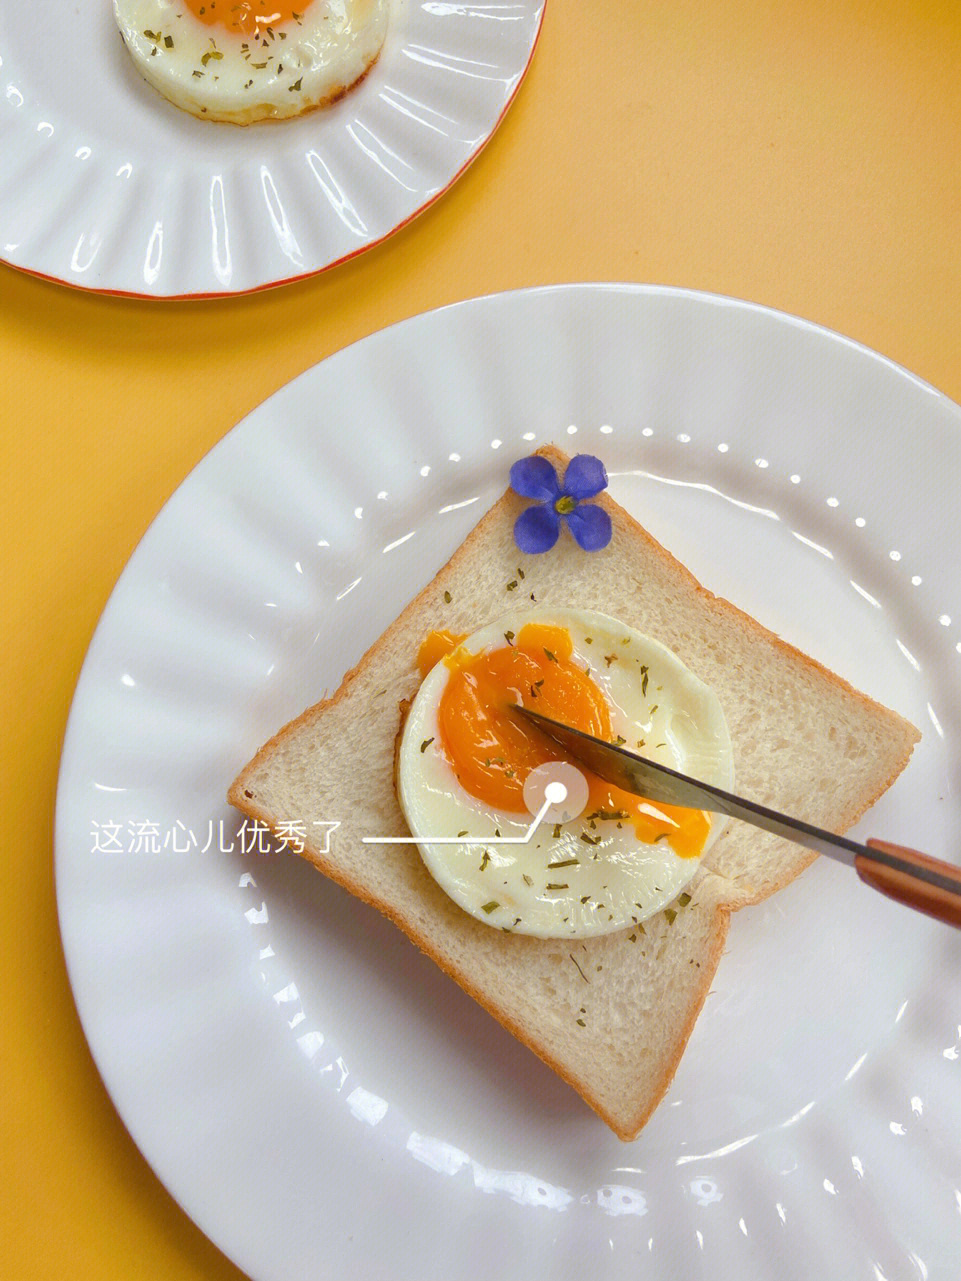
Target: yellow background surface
[(798, 154)]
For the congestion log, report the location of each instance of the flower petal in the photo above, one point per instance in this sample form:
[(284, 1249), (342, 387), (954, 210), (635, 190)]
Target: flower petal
[(536, 529), (534, 477), (591, 526), (585, 476)]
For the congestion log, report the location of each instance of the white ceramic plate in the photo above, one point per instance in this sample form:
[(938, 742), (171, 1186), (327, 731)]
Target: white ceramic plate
[(315, 1093), (106, 185)]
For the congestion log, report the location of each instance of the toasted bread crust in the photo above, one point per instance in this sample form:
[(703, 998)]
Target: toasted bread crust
[(244, 798)]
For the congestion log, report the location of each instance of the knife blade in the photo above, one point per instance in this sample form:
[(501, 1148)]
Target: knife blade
[(930, 885)]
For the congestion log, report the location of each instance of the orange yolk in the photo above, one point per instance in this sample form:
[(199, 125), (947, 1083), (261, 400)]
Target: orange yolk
[(246, 17), (492, 754), (434, 647)]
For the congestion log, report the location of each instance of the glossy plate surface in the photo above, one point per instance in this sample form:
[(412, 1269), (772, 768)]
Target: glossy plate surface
[(107, 186), (314, 1092)]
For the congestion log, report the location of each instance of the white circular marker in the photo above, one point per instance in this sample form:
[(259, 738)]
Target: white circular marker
[(560, 783)]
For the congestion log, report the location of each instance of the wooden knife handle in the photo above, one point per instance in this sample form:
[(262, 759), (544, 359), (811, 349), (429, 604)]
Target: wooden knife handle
[(941, 900)]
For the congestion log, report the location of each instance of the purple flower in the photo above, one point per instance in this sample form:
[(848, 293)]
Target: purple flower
[(537, 528)]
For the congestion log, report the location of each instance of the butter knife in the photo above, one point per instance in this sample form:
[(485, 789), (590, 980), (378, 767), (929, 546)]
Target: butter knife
[(927, 884)]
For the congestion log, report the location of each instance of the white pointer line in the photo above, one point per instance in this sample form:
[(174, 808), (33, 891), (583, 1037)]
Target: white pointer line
[(460, 840)]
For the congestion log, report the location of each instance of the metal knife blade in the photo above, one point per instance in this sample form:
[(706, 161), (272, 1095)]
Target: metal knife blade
[(659, 783)]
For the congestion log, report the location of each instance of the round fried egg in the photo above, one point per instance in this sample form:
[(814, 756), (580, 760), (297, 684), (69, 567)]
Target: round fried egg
[(464, 760), (247, 60)]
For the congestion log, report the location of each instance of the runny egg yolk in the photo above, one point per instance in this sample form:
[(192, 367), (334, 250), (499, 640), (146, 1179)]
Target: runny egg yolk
[(492, 754), (246, 17), (434, 647)]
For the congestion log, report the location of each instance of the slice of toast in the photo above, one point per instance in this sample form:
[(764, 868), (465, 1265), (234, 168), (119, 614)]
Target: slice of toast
[(804, 742)]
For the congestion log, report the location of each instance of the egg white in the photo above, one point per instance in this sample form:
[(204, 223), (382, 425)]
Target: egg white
[(219, 75), (620, 880)]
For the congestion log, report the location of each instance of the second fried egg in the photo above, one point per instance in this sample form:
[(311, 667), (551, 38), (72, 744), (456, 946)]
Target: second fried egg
[(248, 60)]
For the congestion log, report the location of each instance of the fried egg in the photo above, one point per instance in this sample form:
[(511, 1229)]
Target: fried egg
[(470, 775), (247, 60)]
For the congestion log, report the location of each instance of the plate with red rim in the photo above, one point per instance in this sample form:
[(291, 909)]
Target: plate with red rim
[(119, 192), (315, 1093)]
